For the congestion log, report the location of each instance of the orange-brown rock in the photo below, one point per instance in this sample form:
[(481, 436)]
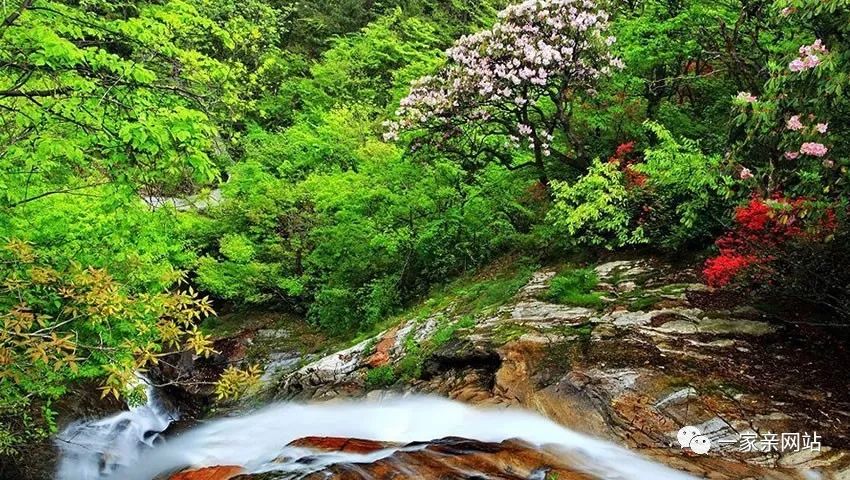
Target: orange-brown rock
[(383, 348), (455, 458), (335, 444), (225, 472)]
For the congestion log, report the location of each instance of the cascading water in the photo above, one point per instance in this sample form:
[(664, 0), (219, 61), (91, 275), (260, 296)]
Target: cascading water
[(257, 441), (94, 449)]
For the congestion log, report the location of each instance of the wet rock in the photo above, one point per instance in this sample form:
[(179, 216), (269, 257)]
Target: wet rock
[(537, 311), (279, 362), (335, 444), (458, 354), (620, 268), (447, 458), (537, 285), (734, 326), (209, 473)]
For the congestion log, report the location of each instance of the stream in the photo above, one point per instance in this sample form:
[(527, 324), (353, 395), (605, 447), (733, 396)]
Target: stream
[(129, 445)]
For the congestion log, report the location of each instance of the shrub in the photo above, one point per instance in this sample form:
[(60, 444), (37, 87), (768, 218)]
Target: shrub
[(813, 271), (797, 128), (761, 227), (597, 209), (335, 309), (380, 377), (786, 249), (683, 192), (673, 196)]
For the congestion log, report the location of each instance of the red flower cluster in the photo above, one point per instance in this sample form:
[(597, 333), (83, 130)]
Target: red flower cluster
[(762, 225), (624, 149), (621, 158), (754, 216), (633, 177), (721, 270)]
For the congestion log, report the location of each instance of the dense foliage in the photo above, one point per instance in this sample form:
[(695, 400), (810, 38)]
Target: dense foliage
[(338, 159)]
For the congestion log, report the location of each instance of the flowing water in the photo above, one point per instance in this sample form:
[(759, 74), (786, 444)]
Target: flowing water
[(124, 446), (94, 449)]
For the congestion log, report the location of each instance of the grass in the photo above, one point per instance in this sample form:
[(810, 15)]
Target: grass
[(380, 377), (447, 331), (575, 287), (494, 291), (410, 366), (643, 302)]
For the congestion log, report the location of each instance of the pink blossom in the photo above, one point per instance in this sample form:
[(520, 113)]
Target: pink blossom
[(747, 97), (814, 149), (822, 127), (792, 155), (787, 11), (794, 123), (746, 174), (828, 163), (535, 47), (808, 58), (390, 136)]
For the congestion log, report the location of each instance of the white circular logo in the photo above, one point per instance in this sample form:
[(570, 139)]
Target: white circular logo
[(690, 437), (700, 444)]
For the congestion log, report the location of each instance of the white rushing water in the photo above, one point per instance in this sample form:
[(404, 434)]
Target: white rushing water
[(255, 440), (94, 449)]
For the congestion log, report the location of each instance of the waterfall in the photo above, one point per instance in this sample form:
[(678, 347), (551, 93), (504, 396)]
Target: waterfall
[(94, 449), (257, 441)]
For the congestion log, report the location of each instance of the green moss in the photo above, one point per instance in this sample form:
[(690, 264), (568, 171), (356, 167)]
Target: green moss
[(448, 330), (582, 331), (643, 302), (296, 334), (575, 287), (508, 332), (410, 366), (495, 290)]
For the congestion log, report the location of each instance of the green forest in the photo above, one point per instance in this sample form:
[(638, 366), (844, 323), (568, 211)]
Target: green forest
[(165, 160)]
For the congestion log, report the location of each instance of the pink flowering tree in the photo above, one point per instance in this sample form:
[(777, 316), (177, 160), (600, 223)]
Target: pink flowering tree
[(798, 129), (510, 89)]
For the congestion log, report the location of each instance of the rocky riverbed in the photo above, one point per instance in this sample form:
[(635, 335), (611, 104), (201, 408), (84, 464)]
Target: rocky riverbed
[(444, 458), (664, 351)]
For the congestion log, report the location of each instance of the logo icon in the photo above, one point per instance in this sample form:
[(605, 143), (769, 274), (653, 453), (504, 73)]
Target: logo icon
[(690, 437)]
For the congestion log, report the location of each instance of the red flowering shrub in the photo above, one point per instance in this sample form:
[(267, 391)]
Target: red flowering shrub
[(762, 228), (721, 270)]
